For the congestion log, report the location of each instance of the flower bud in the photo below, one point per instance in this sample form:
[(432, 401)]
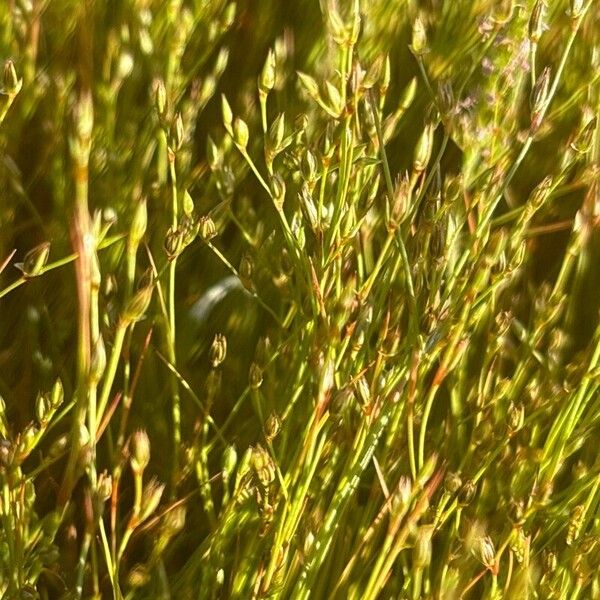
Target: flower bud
[(246, 271), (310, 85)]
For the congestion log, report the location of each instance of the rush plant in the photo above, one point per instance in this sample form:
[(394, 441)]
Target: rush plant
[(299, 303)]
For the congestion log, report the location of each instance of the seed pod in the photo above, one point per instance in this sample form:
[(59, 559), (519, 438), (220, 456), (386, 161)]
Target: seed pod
[(278, 190), (12, 84), (240, 133), (174, 521), (310, 85), (422, 549), (424, 148), (576, 8), (255, 376), (173, 243), (272, 426), (160, 99), (276, 133), (138, 224), (227, 114), (467, 492), (98, 362), (515, 418), (138, 305), (539, 98), (35, 260), (263, 465), (104, 486), (57, 394), (536, 21), (140, 451), (267, 77), (43, 409), (207, 229), (486, 553), (177, 132), (230, 459), (452, 482), (419, 37), (218, 350), (151, 496)]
